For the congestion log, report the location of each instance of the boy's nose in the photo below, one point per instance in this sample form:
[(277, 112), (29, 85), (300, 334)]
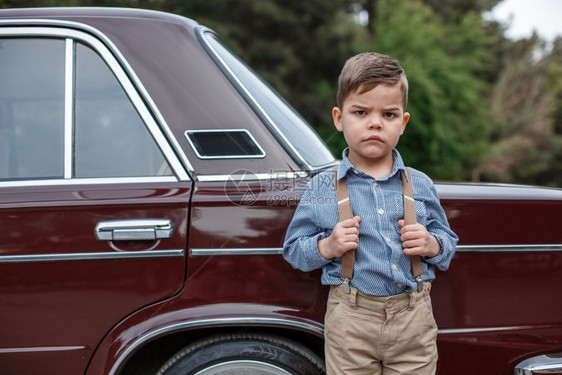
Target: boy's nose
[(375, 121)]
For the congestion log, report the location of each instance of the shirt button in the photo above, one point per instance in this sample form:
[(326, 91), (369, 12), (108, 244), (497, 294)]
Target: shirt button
[(375, 184), (394, 267), (399, 286), (387, 240), (381, 211)]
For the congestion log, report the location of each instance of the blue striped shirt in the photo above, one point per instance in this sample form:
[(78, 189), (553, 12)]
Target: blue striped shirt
[(381, 267)]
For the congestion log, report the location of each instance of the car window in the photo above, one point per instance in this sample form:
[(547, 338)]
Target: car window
[(31, 108), (290, 124), (108, 137)]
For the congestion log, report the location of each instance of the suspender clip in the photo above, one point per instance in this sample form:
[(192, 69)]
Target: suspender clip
[(345, 285), (419, 281)]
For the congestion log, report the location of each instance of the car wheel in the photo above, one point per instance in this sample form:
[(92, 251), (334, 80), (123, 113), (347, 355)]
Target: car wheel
[(244, 353)]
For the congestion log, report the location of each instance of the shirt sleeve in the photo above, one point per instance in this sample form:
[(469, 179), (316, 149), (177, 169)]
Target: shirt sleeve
[(301, 241), (438, 226)]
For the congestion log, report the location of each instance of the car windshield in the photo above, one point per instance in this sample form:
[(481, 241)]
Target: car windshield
[(285, 122)]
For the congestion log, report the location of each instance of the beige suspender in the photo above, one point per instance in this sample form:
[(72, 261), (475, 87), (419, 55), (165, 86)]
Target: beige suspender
[(410, 218), (344, 211)]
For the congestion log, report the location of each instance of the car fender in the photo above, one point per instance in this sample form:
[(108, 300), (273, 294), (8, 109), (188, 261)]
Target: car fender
[(164, 319)]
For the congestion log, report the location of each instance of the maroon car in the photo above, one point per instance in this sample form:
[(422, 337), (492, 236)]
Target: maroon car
[(147, 178)]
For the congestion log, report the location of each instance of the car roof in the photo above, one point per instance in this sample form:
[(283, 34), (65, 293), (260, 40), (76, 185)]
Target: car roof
[(94, 12)]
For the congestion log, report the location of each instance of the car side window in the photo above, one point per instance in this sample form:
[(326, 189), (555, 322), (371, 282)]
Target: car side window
[(111, 139), (108, 137), (31, 108)]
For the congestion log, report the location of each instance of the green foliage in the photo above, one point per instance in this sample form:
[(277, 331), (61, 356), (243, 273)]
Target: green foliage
[(452, 10), (450, 118), (527, 146)]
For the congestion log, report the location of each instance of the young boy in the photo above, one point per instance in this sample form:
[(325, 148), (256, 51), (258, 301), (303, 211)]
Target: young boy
[(380, 320)]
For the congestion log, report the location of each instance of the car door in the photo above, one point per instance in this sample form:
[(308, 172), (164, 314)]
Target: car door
[(93, 200)]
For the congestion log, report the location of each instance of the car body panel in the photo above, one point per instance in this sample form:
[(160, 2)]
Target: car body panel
[(56, 307)]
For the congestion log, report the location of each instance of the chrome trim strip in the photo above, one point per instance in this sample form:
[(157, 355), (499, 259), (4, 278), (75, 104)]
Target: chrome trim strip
[(89, 181), (467, 191), (454, 331), (258, 321), (68, 107), (253, 176), (460, 248), (508, 248), (110, 54), (41, 349), (236, 251), (91, 256), (190, 141)]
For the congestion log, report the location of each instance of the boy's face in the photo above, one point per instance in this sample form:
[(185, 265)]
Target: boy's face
[(372, 123)]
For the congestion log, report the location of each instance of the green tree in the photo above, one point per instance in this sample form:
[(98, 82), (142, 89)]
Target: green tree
[(527, 147), (451, 119), (452, 11)]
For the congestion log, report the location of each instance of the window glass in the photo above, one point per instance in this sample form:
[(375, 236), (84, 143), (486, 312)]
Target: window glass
[(31, 108), (299, 133), (111, 139)]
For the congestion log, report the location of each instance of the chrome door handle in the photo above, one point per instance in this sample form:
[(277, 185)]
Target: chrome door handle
[(134, 230)]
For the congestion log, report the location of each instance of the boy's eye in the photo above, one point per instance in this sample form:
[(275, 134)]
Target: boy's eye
[(361, 113), (389, 114)]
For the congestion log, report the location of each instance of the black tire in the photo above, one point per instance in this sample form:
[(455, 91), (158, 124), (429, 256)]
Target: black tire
[(244, 353)]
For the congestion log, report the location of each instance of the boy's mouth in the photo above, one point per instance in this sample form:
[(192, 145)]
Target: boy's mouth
[(373, 138)]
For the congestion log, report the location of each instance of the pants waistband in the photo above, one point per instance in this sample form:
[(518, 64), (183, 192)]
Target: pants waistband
[(396, 302)]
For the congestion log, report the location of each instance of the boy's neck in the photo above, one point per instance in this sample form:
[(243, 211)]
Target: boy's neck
[(376, 168)]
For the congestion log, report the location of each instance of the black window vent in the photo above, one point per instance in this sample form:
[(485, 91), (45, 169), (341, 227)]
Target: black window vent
[(224, 144)]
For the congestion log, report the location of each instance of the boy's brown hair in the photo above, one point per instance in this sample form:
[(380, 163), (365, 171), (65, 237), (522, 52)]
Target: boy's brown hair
[(367, 70)]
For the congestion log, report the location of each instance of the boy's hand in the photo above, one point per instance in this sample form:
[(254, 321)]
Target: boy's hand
[(344, 237), (416, 240)]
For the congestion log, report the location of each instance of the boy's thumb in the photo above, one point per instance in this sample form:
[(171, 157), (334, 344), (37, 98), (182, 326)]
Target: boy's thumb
[(401, 223), (357, 219)]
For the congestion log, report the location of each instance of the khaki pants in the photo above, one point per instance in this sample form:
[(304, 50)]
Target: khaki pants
[(380, 335)]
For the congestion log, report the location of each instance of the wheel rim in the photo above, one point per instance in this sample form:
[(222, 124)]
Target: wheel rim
[(243, 368)]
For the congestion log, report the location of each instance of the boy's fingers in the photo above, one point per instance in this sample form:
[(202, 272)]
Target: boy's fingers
[(401, 223), (410, 228), (351, 222), (349, 246), (413, 251)]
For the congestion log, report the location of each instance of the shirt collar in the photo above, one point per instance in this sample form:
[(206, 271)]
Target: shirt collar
[(346, 166)]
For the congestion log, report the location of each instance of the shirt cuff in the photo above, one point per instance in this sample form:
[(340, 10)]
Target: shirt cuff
[(442, 252), (315, 258)]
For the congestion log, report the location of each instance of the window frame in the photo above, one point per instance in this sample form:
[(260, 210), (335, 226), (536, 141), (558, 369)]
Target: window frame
[(71, 37)]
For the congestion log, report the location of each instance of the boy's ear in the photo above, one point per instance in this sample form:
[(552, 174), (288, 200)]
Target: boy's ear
[(406, 118), (336, 115)]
